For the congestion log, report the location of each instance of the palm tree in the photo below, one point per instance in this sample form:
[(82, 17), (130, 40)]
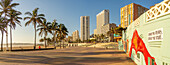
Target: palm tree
[(42, 40), (6, 6), (54, 28), (95, 36), (64, 35), (2, 29), (119, 30), (102, 36), (34, 18), (111, 31), (49, 40), (62, 32), (14, 18), (44, 28)]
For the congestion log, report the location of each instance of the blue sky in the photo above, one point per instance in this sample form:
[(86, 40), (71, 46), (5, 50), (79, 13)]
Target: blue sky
[(68, 12)]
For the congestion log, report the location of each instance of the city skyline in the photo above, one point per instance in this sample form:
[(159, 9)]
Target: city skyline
[(61, 10)]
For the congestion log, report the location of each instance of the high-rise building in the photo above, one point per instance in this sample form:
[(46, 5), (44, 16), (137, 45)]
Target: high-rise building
[(131, 12), (102, 19), (95, 31), (75, 35), (85, 27)]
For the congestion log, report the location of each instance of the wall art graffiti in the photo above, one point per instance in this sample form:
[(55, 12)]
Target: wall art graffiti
[(138, 45)]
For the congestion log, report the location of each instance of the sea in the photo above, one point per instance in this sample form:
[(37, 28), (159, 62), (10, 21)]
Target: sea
[(18, 45)]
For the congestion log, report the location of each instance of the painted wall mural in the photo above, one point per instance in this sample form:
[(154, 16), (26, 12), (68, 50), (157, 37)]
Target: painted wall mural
[(138, 45)]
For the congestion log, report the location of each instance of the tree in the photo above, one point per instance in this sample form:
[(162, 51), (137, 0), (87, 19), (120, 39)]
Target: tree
[(2, 29), (64, 36), (6, 6), (62, 32), (54, 28), (93, 40), (42, 40), (14, 18), (49, 40), (78, 40), (111, 31), (102, 36), (119, 30), (44, 29), (34, 18)]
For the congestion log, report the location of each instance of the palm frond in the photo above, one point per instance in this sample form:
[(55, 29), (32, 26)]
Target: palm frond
[(27, 23), (27, 18), (13, 5), (28, 13), (35, 11), (41, 15)]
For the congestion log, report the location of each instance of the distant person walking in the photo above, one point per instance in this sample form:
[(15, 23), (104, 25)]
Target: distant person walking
[(39, 47)]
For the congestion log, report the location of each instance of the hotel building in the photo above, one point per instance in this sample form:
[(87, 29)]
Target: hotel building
[(131, 12), (75, 35), (102, 19), (95, 31), (85, 27)]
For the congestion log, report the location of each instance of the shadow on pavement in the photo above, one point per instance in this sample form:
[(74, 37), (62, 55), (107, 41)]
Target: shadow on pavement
[(11, 58)]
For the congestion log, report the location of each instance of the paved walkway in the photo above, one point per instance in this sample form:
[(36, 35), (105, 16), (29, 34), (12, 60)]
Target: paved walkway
[(67, 56)]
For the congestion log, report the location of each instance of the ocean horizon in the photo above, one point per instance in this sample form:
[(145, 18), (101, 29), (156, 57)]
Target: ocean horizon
[(19, 44)]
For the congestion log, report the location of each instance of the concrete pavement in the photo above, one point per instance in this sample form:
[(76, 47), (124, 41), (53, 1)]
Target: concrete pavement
[(67, 56)]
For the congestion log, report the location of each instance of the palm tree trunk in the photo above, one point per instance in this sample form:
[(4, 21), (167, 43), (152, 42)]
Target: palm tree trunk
[(11, 38), (60, 40), (63, 43), (35, 37), (45, 42), (113, 38), (7, 38), (7, 32), (2, 41), (54, 41), (60, 44)]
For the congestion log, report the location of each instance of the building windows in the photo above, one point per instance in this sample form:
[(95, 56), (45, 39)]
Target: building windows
[(86, 18), (130, 9), (139, 9), (129, 19), (83, 20)]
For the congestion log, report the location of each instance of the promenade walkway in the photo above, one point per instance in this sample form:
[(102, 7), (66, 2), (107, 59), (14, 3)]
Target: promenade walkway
[(67, 56)]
